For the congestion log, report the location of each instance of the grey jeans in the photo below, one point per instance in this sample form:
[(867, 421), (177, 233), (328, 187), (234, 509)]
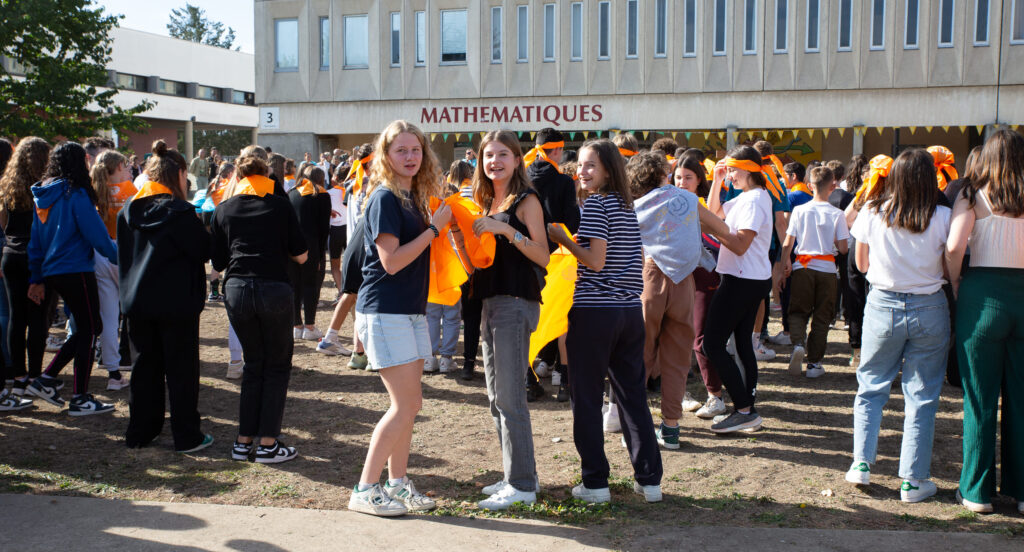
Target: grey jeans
[(507, 324)]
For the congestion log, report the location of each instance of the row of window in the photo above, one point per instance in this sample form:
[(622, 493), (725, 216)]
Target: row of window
[(453, 28), (139, 83)]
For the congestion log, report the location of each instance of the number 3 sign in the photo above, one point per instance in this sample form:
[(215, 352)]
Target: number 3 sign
[(270, 118)]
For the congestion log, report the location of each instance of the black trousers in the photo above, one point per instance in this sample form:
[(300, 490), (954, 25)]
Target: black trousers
[(167, 351), (306, 279), (80, 295), (733, 311), (841, 263), (25, 315), (609, 342), (259, 311), (471, 314), (855, 296)]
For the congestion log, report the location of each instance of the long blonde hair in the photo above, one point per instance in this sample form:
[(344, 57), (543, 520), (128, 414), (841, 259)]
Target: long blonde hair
[(483, 187), (427, 181), (106, 165)]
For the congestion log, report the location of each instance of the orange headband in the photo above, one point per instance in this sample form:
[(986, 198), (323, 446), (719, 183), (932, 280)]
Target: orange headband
[(359, 172), (627, 153), (943, 165), (880, 166), (532, 155), (743, 164)]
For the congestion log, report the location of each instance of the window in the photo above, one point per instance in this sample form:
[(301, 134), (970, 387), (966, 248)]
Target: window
[(453, 36), (749, 27), (496, 34), (910, 41), (721, 31), (660, 28), (549, 32), (396, 39), (813, 26), (523, 33), (604, 23), (286, 45), (877, 24), (577, 31), (781, 26), (421, 38), (173, 88), (125, 81), (1017, 22), (244, 98), (325, 43), (357, 44), (207, 93), (689, 28), (946, 10), (981, 23), (632, 30), (845, 25)]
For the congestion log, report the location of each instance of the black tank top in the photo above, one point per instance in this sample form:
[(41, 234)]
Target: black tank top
[(512, 272), (18, 230)]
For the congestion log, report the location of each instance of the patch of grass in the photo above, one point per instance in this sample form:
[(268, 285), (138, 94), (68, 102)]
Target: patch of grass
[(770, 518), (570, 511), (280, 490), (925, 521), (699, 472), (966, 515)]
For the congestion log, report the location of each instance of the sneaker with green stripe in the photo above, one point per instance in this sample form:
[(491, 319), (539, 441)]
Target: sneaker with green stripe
[(859, 473), (407, 495), (916, 490), (668, 437)]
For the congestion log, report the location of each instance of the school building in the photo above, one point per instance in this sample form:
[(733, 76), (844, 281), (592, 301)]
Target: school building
[(821, 79)]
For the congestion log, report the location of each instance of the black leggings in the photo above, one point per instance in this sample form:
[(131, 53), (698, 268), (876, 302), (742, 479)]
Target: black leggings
[(305, 280), (80, 295), (24, 315), (471, 313), (855, 296), (733, 311)]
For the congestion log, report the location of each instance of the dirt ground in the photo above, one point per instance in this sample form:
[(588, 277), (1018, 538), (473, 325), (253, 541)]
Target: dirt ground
[(789, 474)]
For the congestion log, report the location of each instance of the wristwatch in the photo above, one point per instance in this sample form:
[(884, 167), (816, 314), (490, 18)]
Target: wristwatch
[(518, 237)]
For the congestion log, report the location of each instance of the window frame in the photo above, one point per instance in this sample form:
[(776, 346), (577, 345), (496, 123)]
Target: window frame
[(633, 11), (522, 9), (785, 36), (277, 51), (420, 34), (604, 39), (553, 42), (1014, 4), (465, 36), (180, 88), (686, 24), (846, 18), (871, 39), (807, 28), (325, 66), (344, 40), (721, 7), (393, 17), (576, 31), (500, 35), (661, 33), (751, 28), (952, 25), (988, 23), (906, 26)]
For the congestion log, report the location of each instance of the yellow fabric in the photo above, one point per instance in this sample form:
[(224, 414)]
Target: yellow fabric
[(358, 171), (308, 188), (709, 166), (943, 165), (880, 166), (148, 189), (532, 155), (556, 299)]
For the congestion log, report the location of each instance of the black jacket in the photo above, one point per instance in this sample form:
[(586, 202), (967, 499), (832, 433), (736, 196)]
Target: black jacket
[(557, 194), (314, 213), (162, 248)]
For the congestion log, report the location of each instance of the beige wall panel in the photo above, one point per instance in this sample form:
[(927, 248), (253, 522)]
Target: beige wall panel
[(876, 65), (981, 63), (1012, 63), (844, 67), (747, 69), (945, 66), (780, 68)]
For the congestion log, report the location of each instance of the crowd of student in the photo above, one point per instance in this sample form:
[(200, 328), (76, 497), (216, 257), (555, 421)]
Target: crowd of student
[(677, 256)]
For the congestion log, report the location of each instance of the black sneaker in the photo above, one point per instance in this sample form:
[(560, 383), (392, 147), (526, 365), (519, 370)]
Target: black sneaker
[(738, 421), (467, 372), (241, 451), (275, 454), (563, 393), (19, 386), (534, 391), (87, 405), (44, 390), (9, 402)]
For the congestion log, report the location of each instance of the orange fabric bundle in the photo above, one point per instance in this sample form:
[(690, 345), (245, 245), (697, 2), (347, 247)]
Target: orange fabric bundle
[(943, 165), (447, 272), (806, 259), (532, 155), (358, 171), (880, 166), (555, 299)]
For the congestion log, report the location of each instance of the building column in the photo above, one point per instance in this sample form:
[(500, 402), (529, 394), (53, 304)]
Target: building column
[(255, 136), (858, 139), (189, 149), (730, 137)]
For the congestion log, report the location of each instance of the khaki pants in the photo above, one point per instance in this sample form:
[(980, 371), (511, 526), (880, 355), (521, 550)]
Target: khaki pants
[(812, 297), (668, 322)]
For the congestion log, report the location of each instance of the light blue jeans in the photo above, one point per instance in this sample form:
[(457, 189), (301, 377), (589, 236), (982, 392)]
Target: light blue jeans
[(908, 333), (443, 324)]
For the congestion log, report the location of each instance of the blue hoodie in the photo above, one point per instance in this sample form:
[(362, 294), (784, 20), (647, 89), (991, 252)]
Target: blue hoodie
[(64, 243)]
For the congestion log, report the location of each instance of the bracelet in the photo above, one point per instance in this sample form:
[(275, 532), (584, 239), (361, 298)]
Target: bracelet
[(434, 229)]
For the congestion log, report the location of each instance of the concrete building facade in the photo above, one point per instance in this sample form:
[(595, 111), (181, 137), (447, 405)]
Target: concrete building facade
[(831, 77)]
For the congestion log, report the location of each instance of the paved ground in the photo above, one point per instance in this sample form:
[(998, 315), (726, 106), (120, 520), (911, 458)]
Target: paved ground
[(92, 524)]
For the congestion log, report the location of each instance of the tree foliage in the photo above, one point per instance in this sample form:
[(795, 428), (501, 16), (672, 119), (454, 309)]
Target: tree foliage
[(190, 23), (53, 78)]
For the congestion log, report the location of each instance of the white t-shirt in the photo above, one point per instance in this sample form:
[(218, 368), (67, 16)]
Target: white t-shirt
[(817, 225), (900, 261), (288, 184), (338, 206), (751, 210)]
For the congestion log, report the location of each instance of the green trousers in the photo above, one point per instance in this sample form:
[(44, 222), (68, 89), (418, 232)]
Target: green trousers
[(990, 347), (812, 296)]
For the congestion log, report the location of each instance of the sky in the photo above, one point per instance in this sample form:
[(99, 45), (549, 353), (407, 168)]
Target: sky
[(153, 15)]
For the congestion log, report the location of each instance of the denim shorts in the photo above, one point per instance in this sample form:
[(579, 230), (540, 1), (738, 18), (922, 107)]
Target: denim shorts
[(393, 339)]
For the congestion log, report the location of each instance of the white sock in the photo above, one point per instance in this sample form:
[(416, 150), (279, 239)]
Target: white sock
[(396, 482), (364, 487), (331, 335)]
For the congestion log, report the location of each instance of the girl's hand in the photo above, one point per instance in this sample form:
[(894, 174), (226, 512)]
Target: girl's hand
[(557, 235), (36, 293), (441, 217), (719, 172), (483, 225)]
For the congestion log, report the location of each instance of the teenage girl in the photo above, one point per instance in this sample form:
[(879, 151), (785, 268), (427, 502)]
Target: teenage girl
[(392, 302), (312, 206)]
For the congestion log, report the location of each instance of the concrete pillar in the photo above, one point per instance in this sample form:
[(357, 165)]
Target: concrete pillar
[(189, 150), (730, 137), (255, 136), (858, 139)]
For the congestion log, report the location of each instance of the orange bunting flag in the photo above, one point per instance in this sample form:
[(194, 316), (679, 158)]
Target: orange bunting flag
[(880, 166), (358, 171), (943, 165), (532, 155), (555, 299)]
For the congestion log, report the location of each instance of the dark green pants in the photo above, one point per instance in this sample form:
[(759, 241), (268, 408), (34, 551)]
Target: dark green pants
[(990, 347), (812, 296)]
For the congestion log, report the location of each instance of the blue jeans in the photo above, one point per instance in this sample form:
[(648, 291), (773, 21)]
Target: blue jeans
[(446, 318), (908, 333)]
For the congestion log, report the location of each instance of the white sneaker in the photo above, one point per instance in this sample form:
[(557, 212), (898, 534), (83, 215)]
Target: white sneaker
[(859, 473), (591, 496), (234, 369), (610, 419), (760, 351), (446, 365), (913, 490), (117, 384), (494, 488), (311, 335), (296, 333), (979, 507), (54, 343), (430, 365), (506, 497), (542, 369), (556, 378), (689, 403), (332, 348), (406, 494), (730, 346), (376, 502), (796, 360), (815, 370), (713, 407), (652, 493), (781, 338)]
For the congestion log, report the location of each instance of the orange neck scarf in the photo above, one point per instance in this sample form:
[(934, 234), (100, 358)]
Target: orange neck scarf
[(801, 187), (308, 188), (532, 155), (943, 165), (880, 166), (358, 171), (254, 185), (152, 189)]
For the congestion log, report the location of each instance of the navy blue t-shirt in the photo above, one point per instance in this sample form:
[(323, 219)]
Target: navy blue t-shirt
[(406, 291)]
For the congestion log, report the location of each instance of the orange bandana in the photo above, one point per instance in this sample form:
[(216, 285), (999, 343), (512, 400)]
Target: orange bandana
[(627, 153), (532, 155), (742, 164), (801, 187), (152, 189), (308, 188), (880, 165), (358, 171), (943, 165), (254, 185)]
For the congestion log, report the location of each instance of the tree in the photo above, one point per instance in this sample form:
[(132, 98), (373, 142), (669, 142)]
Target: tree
[(190, 23), (50, 82)]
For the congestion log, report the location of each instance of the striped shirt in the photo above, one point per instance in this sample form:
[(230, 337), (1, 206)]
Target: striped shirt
[(620, 282)]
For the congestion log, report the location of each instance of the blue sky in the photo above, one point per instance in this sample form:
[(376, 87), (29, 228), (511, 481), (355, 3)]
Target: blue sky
[(153, 15)]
